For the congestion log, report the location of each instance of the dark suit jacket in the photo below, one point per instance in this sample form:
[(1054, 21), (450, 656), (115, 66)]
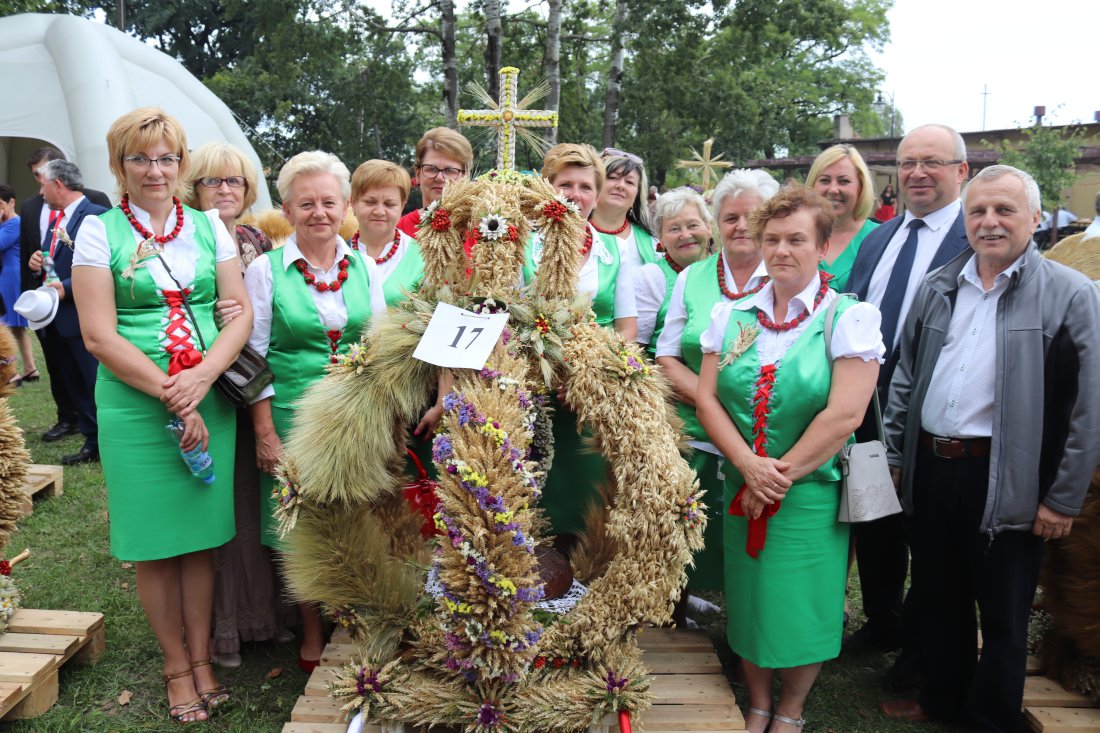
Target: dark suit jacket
[(31, 234), (66, 321), (859, 282)]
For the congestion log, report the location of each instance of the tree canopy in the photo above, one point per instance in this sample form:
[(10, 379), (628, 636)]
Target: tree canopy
[(762, 77)]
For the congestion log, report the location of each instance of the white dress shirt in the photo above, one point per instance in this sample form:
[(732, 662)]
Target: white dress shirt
[(855, 333), (929, 238), (668, 344), (588, 280), (650, 288), (331, 309), (386, 268), (628, 247), (959, 403)]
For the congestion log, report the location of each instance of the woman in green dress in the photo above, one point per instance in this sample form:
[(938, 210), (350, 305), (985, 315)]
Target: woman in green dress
[(146, 276), (840, 175), (312, 298), (577, 172), (729, 274), (622, 213), (779, 412)]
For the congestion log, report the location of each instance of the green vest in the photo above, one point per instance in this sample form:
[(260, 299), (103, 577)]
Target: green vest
[(139, 305), (803, 377), (299, 349), (608, 266), (406, 276), (647, 250), (670, 282), (701, 294)]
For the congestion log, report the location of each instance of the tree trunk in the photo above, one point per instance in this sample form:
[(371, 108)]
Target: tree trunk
[(493, 33), (450, 66), (615, 75), (552, 62)]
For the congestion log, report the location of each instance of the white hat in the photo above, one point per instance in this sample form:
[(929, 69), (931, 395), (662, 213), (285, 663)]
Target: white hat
[(38, 306)]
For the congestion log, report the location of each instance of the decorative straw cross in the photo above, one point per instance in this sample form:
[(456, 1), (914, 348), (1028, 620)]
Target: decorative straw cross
[(706, 162), (506, 116)]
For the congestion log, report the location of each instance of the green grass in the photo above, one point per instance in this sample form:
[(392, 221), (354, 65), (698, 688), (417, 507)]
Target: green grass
[(71, 568)]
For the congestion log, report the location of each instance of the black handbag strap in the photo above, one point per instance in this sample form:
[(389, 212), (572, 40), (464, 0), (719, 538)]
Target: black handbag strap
[(186, 303), (830, 319)]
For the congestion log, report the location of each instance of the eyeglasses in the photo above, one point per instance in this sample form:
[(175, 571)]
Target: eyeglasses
[(616, 153), (143, 162), (231, 181), (929, 165), (449, 173)]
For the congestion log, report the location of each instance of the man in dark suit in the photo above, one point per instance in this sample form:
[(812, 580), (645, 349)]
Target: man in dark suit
[(62, 190), (34, 224), (888, 270)]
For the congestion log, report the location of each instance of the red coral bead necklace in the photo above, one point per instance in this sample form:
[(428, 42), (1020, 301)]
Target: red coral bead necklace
[(385, 257), (722, 281), (323, 286), (771, 325), (124, 204)]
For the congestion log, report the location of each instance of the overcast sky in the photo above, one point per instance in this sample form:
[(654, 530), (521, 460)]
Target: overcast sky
[(1028, 53)]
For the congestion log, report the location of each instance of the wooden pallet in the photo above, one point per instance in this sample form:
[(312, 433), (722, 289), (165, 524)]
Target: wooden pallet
[(41, 480), (691, 691), (1050, 708), (32, 651)]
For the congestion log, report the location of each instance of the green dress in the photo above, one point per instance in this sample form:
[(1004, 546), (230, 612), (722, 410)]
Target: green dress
[(841, 267), (577, 472), (299, 351), (786, 606), (157, 508)]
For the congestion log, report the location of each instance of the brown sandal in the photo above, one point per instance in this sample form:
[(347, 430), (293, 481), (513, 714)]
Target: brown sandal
[(178, 712), (214, 697)]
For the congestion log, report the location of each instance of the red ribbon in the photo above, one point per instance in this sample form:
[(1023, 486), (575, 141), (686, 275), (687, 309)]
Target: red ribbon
[(182, 354), (758, 527)]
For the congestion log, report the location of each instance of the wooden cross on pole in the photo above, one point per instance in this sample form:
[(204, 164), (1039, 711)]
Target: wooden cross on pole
[(707, 163), (506, 115)]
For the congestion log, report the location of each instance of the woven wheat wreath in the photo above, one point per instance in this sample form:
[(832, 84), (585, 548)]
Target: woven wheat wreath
[(478, 653)]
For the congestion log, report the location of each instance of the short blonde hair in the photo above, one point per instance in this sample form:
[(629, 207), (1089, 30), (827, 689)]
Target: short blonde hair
[(448, 142), (137, 131), (379, 174), (310, 162), (791, 199), (211, 161), (831, 155), (563, 155)]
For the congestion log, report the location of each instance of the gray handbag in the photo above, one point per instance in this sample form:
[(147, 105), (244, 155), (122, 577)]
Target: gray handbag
[(867, 490)]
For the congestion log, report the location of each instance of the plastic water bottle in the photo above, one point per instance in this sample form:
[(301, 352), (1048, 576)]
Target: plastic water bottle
[(198, 460)]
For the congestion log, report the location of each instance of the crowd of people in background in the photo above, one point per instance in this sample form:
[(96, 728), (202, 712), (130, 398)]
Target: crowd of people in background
[(139, 308)]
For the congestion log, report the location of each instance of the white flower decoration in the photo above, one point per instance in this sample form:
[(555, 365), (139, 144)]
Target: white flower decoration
[(493, 227), (569, 203)]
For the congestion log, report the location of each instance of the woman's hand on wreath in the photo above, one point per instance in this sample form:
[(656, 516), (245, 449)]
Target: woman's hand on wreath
[(426, 427), (269, 452)]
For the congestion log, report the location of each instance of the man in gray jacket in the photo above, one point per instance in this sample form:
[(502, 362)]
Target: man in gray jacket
[(993, 431)]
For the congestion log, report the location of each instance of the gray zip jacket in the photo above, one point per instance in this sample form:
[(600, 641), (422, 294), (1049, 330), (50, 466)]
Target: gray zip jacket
[(1046, 408)]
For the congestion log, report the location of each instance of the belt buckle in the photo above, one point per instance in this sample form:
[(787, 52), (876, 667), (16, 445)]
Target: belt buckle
[(937, 441)]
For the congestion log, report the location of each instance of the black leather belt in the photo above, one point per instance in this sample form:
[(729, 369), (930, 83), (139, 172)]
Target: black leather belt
[(956, 447)]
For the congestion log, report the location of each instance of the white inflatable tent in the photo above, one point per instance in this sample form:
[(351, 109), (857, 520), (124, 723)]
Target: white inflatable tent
[(66, 79)]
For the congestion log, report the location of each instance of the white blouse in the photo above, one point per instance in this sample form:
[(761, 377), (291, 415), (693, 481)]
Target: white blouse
[(330, 304), (386, 268), (93, 250), (676, 316), (588, 281), (650, 288), (855, 334)]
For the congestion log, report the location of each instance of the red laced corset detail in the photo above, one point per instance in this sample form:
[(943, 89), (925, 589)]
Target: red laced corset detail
[(334, 337), (182, 353), (761, 405)]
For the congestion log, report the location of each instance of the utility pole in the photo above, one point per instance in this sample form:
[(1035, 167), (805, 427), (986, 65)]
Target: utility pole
[(985, 102), (122, 15)]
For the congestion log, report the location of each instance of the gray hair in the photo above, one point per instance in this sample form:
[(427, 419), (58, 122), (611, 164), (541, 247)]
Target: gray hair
[(671, 203), (310, 162), (64, 171), (994, 172), (960, 144), (742, 180)]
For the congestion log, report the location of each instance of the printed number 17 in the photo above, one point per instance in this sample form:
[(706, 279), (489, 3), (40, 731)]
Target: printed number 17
[(461, 330)]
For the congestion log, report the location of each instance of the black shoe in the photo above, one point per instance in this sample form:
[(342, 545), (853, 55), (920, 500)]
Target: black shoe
[(84, 455), (870, 636), (905, 674), (59, 431)]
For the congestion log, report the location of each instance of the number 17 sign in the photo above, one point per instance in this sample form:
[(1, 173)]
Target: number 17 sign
[(460, 339)]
